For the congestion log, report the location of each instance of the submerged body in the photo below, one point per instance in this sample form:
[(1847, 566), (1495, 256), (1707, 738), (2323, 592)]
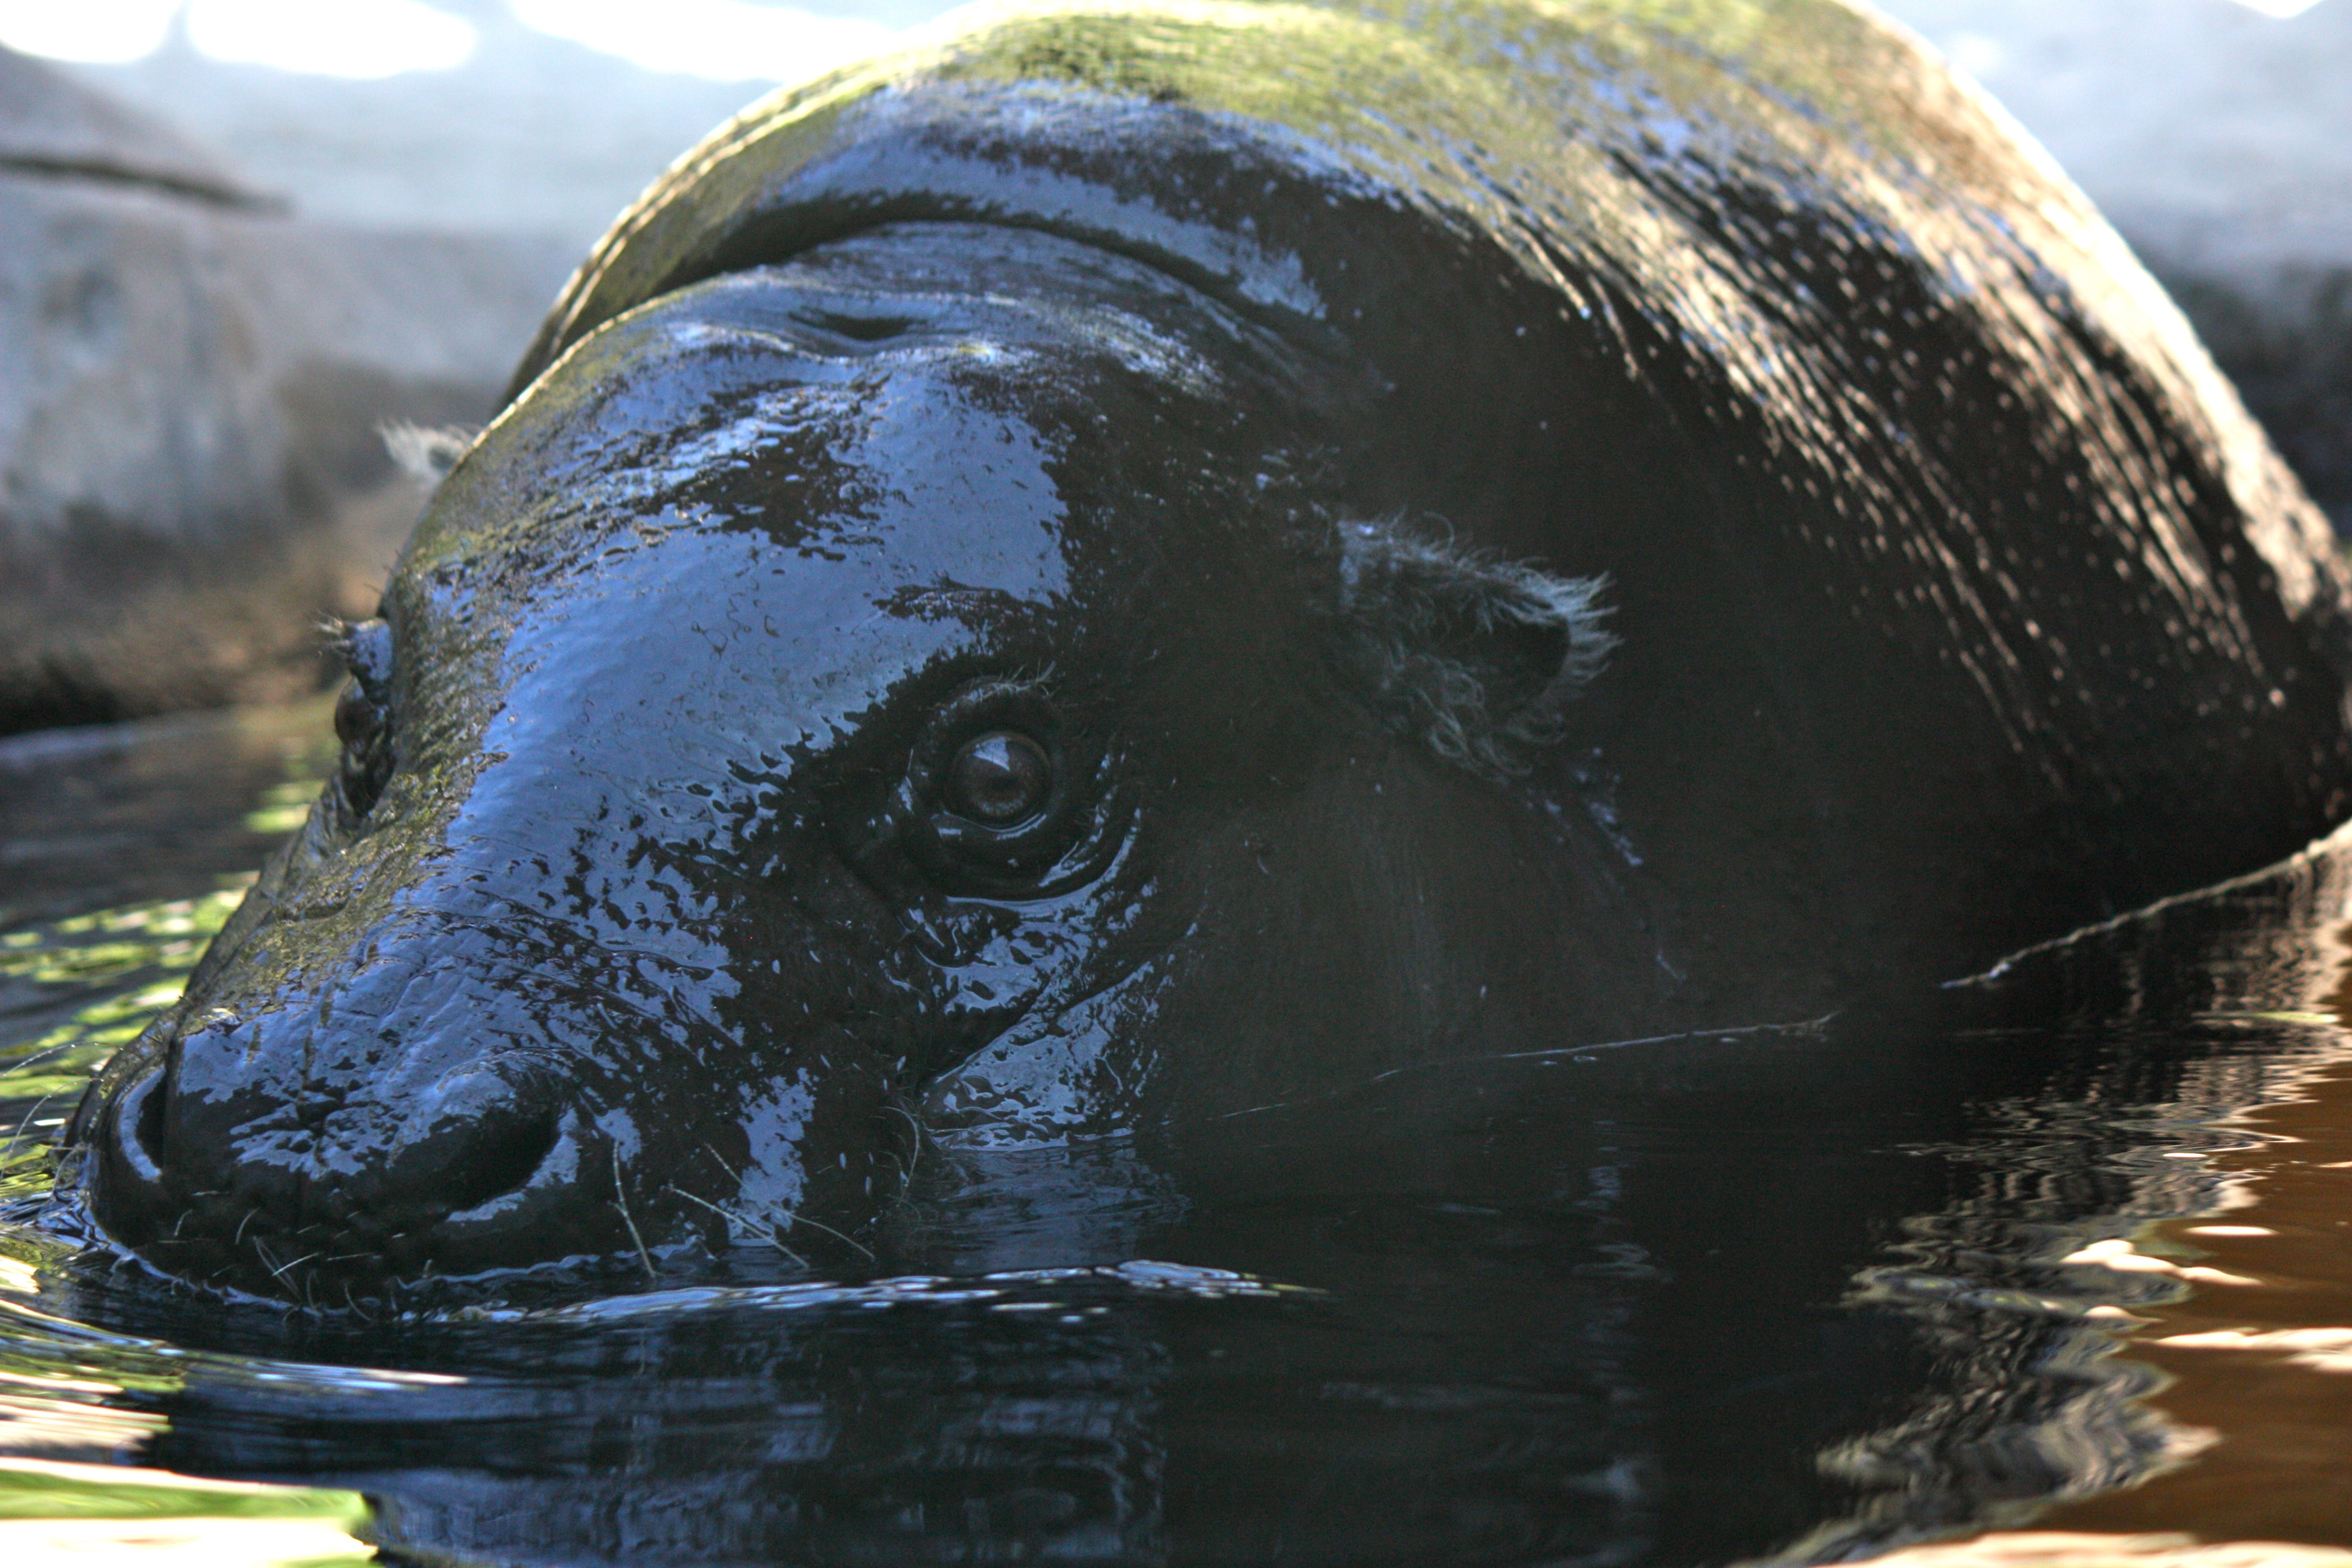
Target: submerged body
[(1126, 565)]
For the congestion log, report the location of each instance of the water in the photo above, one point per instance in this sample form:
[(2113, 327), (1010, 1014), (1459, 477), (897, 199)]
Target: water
[(1799, 1291)]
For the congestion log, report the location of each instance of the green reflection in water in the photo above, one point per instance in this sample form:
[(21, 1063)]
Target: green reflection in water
[(122, 966), (72, 992), (98, 1515), (282, 806), (33, 1490)]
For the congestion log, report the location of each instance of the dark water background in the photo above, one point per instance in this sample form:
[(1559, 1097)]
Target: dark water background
[(1793, 1291)]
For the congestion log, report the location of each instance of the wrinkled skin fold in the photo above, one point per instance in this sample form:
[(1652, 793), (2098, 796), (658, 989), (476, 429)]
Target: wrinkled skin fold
[(1123, 566)]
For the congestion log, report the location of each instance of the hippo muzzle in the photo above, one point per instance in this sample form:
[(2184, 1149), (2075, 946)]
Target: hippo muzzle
[(454, 1100)]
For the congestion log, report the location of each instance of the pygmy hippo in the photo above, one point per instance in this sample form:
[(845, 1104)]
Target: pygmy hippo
[(1130, 562)]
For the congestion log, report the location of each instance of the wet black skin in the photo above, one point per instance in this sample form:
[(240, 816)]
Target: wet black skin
[(898, 672)]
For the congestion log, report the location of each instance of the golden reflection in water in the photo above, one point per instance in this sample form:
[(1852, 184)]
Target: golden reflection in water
[(2076, 1548), (49, 1420), (2260, 1365), (2259, 1352)]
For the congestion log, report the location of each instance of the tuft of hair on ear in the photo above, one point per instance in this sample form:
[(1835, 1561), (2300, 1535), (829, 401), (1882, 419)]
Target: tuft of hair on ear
[(426, 453), (1476, 655)]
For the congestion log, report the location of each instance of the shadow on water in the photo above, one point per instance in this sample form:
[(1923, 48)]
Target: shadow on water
[(1793, 1290)]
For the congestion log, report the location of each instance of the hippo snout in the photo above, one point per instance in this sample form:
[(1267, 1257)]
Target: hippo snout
[(446, 1097), (289, 1188)]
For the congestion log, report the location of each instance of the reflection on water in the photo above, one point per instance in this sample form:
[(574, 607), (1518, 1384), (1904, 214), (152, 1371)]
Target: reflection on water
[(1797, 1290), (123, 849), (2266, 1365), (88, 1513)]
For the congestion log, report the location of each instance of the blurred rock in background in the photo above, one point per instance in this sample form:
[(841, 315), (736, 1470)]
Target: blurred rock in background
[(237, 237), (527, 132), (192, 380), (191, 374)]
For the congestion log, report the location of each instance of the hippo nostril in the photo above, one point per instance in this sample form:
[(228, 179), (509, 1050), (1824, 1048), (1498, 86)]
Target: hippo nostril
[(138, 1131), (130, 1191), (472, 1137)]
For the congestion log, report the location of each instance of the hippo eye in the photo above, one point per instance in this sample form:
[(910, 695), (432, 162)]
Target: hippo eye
[(363, 716), (1002, 797), (1000, 779), (358, 719)]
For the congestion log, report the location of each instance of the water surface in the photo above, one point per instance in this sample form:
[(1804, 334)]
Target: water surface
[(1802, 1291)]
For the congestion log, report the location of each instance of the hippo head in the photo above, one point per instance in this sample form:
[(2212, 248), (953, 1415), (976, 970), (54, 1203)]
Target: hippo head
[(931, 689)]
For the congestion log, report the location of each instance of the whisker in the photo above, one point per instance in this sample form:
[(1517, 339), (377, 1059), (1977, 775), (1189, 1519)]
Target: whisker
[(279, 1272), (620, 1201), (5, 1154), (914, 1155), (774, 1240), (791, 1218)]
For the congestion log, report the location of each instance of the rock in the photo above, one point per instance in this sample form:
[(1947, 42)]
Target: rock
[(191, 476), (2219, 140), (2283, 333), (51, 125), (530, 132)]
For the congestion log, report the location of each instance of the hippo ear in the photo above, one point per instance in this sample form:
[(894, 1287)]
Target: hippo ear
[(426, 453), (1477, 657)]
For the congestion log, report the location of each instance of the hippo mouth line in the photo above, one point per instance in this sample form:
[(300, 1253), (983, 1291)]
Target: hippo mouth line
[(328, 1234), (301, 1230)]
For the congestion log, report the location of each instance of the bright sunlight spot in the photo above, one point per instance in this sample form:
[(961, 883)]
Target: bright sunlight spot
[(326, 37), (346, 37), (726, 40), (2282, 10), (103, 32)]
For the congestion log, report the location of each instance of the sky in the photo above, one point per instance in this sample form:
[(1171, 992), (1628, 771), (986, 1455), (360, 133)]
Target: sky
[(734, 40), (728, 40)]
